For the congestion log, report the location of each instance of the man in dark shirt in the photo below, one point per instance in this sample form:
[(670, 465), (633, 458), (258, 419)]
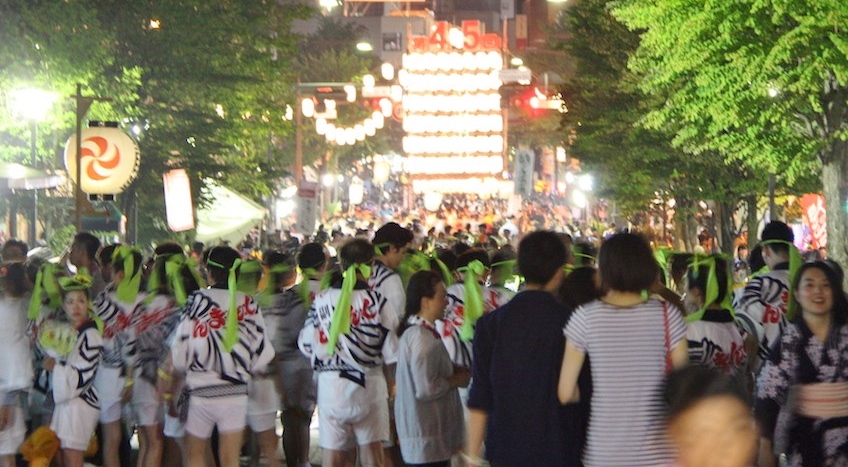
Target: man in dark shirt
[(518, 351)]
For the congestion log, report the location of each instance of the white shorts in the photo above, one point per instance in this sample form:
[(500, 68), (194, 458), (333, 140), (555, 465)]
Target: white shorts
[(204, 413), (110, 385), (12, 437), (145, 404), (350, 414), (263, 403), (173, 427), (74, 422)]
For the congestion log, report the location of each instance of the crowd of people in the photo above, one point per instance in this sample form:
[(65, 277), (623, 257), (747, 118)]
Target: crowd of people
[(426, 351)]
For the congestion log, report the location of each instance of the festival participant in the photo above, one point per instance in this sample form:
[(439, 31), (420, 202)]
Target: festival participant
[(349, 336), (114, 380), (761, 307), (75, 358), (285, 316), (709, 418), (427, 405), (390, 244), (633, 342), (468, 300), (219, 343), (502, 275), (313, 261), (83, 256), (713, 337), (808, 367), (14, 251), (171, 280), (16, 365), (523, 423)]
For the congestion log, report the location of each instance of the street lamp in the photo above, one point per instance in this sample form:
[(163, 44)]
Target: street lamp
[(33, 104)]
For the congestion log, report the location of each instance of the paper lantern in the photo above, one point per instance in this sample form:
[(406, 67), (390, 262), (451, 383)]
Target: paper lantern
[(109, 160)]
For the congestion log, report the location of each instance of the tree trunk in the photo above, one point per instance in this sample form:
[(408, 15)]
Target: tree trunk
[(752, 220), (835, 183), (727, 227)]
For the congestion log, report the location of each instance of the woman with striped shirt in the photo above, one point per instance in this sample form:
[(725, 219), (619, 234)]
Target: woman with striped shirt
[(633, 342)]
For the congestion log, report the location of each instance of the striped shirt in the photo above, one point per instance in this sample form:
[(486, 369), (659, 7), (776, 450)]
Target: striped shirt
[(761, 309), (388, 283), (627, 346)]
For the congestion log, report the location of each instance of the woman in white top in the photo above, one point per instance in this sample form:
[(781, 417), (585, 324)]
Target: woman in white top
[(633, 341)]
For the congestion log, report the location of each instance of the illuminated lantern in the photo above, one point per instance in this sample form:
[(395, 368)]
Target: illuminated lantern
[(109, 160), (178, 206)]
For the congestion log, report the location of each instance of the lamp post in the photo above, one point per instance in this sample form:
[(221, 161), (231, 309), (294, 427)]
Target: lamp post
[(33, 104)]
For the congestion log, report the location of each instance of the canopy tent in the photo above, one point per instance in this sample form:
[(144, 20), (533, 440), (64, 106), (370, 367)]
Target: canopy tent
[(228, 218), (20, 177)]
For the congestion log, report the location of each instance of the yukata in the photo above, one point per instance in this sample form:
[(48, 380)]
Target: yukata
[(117, 348), (352, 392), (389, 284), (449, 328), (761, 309), (15, 369), (151, 325), (216, 380), (808, 381), (77, 404), (716, 341)]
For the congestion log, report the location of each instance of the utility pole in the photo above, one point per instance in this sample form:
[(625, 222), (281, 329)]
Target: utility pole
[(83, 104)]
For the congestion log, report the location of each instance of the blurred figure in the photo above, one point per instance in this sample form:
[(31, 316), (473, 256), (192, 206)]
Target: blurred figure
[(14, 250), (579, 287), (709, 420)]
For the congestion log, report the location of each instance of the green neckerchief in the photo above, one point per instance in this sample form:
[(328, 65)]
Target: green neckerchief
[(340, 322), (127, 289), (379, 246), (231, 328), (412, 262), (174, 264), (662, 255), (248, 282), (711, 294), (264, 297), (509, 266), (447, 277), (795, 262), (473, 300), (45, 284)]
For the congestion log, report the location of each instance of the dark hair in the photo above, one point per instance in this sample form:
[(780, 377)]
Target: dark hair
[(689, 385), (311, 255), (391, 234), (697, 279), (840, 302), (755, 258), (581, 250), (165, 288), (777, 230), (356, 251), (421, 284), (579, 288), (104, 255), (626, 263), (225, 256), (540, 255), (12, 244), (89, 242), (472, 254), (500, 256), (138, 261), (277, 279), (13, 279), (168, 248)]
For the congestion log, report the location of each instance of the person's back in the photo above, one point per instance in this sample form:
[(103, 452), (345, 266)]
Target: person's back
[(518, 349)]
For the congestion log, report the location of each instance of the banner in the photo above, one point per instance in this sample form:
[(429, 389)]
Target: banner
[(815, 218), (307, 208), (178, 206), (523, 171)]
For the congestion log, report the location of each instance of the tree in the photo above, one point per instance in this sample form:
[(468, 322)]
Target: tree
[(763, 82)]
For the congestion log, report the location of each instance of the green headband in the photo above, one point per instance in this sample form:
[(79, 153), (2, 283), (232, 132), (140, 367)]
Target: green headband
[(443, 268), (45, 285), (795, 262), (174, 264), (340, 322), (473, 302), (80, 281), (662, 256), (379, 246), (303, 287), (127, 289), (264, 297), (231, 328), (712, 286)]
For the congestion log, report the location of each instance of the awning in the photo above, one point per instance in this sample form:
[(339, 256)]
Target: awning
[(20, 177), (229, 217)]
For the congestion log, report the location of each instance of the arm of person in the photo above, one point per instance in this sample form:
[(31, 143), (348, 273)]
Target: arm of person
[(477, 422), (680, 354), (572, 362), (765, 455)]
